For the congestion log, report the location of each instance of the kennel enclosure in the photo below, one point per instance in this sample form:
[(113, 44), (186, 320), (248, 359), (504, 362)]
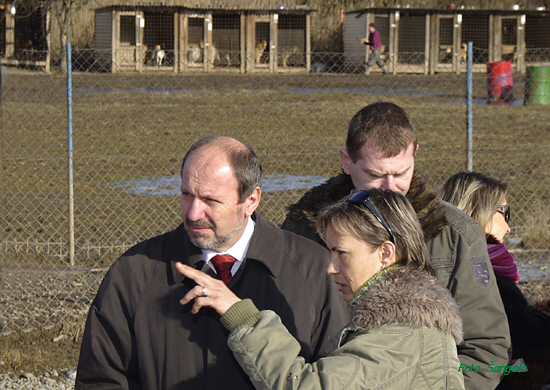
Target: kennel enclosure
[(130, 37), (427, 41)]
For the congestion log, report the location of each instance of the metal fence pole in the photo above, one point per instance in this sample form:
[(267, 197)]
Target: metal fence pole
[(469, 89), (130, 153), (70, 162)]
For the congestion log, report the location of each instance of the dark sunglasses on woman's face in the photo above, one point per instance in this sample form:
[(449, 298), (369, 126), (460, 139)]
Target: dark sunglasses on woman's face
[(504, 210), (363, 197)]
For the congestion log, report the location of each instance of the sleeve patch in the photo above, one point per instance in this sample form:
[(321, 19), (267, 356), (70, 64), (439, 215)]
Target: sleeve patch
[(481, 271)]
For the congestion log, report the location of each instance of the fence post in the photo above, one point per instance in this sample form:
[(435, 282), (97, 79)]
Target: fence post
[(70, 162), (469, 88)]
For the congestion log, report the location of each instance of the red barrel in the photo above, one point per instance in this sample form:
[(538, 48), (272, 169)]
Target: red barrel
[(500, 83)]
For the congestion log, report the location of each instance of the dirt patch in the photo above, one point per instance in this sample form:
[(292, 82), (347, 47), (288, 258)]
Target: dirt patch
[(535, 290), (41, 350)]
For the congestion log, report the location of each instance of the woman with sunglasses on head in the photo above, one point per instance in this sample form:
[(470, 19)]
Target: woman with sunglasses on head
[(484, 199), (405, 325)]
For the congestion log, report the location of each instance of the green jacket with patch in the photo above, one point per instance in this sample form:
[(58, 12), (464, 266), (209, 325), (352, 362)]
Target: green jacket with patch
[(458, 254)]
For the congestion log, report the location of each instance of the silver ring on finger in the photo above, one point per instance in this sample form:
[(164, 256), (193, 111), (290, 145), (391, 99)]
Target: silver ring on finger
[(203, 294)]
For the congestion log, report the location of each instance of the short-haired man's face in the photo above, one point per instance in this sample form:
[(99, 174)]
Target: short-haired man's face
[(373, 170), (210, 208)]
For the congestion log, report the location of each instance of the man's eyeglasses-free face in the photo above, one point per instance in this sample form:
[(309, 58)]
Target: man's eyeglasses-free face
[(363, 196), (504, 210)]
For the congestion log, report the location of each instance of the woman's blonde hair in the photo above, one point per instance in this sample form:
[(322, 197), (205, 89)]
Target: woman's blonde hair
[(475, 194), (355, 219)]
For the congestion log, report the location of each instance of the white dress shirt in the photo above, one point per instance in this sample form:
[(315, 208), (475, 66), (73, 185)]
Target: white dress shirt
[(238, 251)]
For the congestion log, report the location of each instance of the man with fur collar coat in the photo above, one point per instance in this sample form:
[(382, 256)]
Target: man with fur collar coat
[(380, 150)]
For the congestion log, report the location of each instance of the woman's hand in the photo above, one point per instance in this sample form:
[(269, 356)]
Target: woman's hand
[(209, 292)]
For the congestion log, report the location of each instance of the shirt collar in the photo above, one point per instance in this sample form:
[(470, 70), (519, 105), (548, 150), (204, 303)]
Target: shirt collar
[(238, 251), (264, 231)]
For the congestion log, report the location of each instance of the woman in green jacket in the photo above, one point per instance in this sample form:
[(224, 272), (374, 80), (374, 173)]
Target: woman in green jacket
[(404, 324)]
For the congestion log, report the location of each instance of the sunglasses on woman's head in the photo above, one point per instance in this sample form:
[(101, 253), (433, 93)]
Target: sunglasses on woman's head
[(363, 197), (504, 210)]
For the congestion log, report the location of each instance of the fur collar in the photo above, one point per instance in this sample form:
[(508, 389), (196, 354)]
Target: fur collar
[(422, 196), (491, 239), (407, 296)]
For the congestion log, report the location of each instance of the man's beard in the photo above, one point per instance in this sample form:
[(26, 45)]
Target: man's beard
[(208, 242)]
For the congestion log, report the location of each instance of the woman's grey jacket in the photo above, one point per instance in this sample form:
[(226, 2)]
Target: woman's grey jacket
[(403, 334)]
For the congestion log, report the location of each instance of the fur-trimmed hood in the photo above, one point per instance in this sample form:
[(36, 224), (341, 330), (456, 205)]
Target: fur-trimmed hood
[(407, 296), (422, 196)]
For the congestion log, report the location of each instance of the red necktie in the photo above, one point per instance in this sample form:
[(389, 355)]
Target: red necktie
[(223, 265)]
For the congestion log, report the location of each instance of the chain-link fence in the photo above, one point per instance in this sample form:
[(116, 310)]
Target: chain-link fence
[(131, 130)]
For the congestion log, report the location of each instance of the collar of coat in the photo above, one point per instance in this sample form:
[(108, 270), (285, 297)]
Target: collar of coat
[(422, 196), (491, 239), (264, 232), (407, 296)]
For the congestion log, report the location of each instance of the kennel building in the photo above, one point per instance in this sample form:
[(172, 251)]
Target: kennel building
[(183, 39), (434, 40), (24, 37)]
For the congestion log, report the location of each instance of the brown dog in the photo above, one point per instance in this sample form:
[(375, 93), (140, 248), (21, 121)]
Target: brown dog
[(144, 54), (260, 48), (463, 56), (287, 53)]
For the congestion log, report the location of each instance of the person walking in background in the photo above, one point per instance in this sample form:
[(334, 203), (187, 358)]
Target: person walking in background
[(376, 46), (404, 327), (485, 200), (380, 152), (137, 335)]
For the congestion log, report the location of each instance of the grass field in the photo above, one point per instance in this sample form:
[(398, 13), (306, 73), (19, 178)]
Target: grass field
[(132, 126)]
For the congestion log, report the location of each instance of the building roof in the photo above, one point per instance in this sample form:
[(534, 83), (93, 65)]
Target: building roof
[(448, 11), (162, 7)]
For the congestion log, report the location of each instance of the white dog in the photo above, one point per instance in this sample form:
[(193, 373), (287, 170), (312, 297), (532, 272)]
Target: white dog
[(213, 55), (159, 55), (195, 53), (194, 56)]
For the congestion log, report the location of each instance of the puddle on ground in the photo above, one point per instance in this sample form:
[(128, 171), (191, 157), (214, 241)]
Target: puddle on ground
[(274, 183), (85, 91), (170, 185), (484, 102), (535, 269), (300, 91)]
